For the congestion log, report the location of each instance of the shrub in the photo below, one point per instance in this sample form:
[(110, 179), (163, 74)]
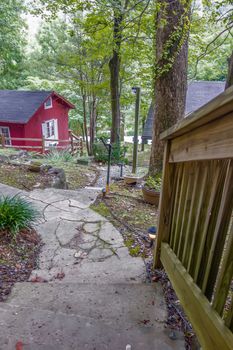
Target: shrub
[(101, 154), (16, 214), (154, 182), (55, 156)]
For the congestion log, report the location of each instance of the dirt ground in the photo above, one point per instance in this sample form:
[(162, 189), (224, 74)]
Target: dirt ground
[(125, 207), (18, 176), (18, 257)]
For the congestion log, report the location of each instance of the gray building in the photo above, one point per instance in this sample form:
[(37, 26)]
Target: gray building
[(198, 94)]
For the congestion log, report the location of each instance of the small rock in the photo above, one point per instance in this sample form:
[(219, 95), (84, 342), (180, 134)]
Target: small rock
[(4, 159), (44, 168), (80, 255)]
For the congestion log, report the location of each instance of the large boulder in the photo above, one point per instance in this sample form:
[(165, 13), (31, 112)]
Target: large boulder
[(58, 178)]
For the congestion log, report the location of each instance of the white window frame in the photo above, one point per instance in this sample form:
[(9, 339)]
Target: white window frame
[(8, 142), (47, 135), (49, 103)]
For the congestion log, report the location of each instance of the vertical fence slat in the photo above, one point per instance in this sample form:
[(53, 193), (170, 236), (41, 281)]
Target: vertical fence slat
[(180, 208), (199, 210), (179, 170), (164, 209), (191, 217), (203, 230), (219, 232), (229, 317), (225, 276), (187, 204)]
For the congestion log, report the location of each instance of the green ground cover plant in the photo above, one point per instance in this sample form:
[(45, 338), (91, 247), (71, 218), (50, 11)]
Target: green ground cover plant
[(16, 214)]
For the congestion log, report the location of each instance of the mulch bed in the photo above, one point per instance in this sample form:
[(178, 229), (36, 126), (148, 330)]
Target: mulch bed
[(18, 257), (20, 177)]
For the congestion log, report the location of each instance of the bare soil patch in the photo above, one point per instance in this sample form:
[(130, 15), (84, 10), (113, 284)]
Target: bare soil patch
[(18, 257)]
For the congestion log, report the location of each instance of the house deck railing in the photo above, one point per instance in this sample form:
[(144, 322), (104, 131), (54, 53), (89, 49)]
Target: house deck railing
[(195, 228), (74, 143)]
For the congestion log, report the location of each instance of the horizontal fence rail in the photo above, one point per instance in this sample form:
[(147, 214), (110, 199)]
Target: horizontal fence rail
[(195, 229), (74, 143)]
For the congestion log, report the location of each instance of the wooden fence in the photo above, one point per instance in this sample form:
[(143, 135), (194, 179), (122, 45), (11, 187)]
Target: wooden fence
[(74, 144), (195, 229)]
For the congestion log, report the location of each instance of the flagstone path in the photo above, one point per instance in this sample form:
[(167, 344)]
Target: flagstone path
[(91, 294)]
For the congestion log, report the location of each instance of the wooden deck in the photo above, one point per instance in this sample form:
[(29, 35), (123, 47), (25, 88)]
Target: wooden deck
[(195, 230)]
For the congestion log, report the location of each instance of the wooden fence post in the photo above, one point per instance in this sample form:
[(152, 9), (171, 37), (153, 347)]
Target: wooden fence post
[(71, 141), (81, 146), (3, 140), (43, 144), (164, 206)]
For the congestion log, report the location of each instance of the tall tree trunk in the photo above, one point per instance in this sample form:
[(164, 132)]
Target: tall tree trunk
[(122, 127), (114, 66), (229, 80), (84, 98), (93, 116), (170, 72)]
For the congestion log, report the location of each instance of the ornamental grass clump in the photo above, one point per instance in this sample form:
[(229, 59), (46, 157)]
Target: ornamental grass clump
[(16, 214), (57, 157)]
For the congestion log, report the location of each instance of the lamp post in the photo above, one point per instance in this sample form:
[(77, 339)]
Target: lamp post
[(137, 91)]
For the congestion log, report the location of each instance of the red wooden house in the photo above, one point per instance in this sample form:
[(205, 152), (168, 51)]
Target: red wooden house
[(32, 115)]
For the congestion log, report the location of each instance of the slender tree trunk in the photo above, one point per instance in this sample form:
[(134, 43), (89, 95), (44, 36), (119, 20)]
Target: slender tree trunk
[(229, 80), (171, 74), (122, 128), (84, 98), (114, 66), (93, 116)]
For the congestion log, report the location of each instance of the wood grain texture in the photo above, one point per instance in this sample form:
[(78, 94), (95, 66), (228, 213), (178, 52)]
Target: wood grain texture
[(209, 327), (219, 106), (211, 141)]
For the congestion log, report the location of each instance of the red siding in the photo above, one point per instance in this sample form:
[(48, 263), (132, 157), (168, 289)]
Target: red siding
[(16, 130), (33, 129)]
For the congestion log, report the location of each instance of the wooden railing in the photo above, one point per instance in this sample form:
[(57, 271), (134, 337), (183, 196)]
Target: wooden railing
[(195, 229), (74, 144)]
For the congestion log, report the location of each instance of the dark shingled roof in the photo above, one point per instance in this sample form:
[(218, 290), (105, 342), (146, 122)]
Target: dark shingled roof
[(198, 94), (18, 106)]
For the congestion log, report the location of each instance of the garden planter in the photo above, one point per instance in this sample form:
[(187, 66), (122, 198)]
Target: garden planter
[(150, 196)]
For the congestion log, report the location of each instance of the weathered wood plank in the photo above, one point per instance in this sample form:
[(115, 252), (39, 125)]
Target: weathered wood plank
[(208, 325), (164, 205), (218, 232), (225, 276), (198, 217), (186, 211), (216, 108), (176, 194), (211, 141), (229, 318), (192, 213), (31, 147), (204, 229)]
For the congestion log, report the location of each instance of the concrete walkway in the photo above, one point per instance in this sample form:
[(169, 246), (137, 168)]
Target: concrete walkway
[(91, 293)]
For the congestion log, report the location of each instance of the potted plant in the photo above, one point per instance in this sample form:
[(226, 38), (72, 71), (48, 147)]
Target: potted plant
[(151, 189)]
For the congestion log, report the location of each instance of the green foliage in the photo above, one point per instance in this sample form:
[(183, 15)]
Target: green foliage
[(154, 182), (210, 43), (101, 153), (101, 209), (12, 43), (58, 157), (16, 214)]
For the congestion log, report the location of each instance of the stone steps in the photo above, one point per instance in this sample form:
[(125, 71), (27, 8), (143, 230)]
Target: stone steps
[(85, 316)]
